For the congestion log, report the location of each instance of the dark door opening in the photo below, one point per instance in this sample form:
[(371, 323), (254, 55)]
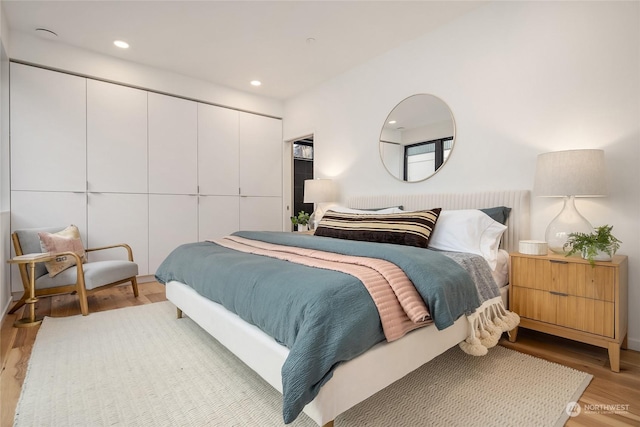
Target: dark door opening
[(302, 170)]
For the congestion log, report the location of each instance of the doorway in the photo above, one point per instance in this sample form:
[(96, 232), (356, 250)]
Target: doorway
[(302, 170)]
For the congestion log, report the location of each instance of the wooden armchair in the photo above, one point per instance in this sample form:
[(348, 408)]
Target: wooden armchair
[(82, 278)]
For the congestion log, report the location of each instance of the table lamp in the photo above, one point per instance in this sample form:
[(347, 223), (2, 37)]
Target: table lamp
[(319, 191), (569, 174)]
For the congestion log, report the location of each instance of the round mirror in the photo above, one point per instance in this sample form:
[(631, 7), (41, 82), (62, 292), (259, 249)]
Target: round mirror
[(417, 138)]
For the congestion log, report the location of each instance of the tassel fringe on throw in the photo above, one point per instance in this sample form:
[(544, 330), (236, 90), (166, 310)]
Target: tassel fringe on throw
[(486, 326)]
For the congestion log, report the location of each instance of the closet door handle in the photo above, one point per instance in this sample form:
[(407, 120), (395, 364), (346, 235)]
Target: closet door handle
[(558, 261)]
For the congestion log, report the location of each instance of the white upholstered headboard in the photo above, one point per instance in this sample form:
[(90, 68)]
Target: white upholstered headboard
[(518, 200)]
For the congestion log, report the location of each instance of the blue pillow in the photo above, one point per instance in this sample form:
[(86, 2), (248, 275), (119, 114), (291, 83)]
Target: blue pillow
[(499, 213)]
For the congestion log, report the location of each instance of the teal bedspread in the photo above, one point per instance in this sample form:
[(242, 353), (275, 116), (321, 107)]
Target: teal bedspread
[(324, 317)]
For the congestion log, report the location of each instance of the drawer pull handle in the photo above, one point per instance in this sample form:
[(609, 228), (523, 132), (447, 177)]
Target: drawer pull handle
[(558, 293), (558, 261)]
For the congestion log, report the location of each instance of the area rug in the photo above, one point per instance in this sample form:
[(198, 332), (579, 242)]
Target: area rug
[(140, 366)]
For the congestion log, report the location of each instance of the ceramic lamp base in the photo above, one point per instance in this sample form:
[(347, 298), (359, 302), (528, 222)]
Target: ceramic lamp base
[(568, 221)]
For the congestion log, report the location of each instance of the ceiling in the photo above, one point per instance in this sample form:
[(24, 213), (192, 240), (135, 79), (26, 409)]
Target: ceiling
[(291, 46)]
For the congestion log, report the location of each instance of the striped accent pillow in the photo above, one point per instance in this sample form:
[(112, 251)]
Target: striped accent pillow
[(407, 228)]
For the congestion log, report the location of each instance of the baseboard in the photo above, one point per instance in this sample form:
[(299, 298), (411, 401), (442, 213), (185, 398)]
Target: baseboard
[(633, 344), (5, 309), (147, 278)]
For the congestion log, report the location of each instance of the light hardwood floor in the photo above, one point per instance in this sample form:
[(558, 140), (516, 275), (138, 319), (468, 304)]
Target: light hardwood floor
[(606, 388)]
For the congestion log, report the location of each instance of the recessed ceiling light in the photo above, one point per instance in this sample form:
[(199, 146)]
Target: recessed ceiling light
[(121, 44), (256, 82), (392, 122)]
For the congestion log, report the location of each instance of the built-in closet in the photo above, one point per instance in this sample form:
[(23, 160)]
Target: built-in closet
[(129, 165)]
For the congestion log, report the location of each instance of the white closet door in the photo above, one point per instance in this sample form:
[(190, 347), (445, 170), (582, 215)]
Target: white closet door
[(261, 213), (114, 218), (218, 216), (218, 150), (173, 145), (116, 138), (48, 130), (260, 155), (173, 220), (37, 209)]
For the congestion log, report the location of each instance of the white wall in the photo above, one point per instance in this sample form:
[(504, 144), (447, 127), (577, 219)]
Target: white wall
[(521, 78), (5, 286), (429, 132)]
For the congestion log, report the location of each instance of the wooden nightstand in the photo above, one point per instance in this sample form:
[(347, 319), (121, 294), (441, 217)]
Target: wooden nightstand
[(567, 297)]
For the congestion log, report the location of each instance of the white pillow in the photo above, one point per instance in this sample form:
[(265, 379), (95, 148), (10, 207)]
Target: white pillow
[(343, 209), (468, 230), (501, 272)]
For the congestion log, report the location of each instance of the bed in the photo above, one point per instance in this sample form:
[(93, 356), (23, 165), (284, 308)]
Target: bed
[(353, 381)]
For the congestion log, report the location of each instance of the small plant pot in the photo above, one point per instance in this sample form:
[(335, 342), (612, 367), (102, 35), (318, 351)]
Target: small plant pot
[(599, 256), (303, 228)]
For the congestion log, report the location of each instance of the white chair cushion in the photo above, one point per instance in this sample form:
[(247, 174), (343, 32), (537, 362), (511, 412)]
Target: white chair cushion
[(96, 274)]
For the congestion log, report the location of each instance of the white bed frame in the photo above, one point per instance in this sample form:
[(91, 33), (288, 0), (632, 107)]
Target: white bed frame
[(358, 379)]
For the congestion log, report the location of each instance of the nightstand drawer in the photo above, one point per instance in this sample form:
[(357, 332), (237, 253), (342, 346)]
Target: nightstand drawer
[(582, 314), (566, 277)]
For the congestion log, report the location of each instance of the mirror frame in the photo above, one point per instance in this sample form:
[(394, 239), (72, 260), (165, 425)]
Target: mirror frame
[(380, 140)]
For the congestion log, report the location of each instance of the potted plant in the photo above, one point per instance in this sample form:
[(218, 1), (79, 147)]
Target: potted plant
[(301, 221), (599, 245)]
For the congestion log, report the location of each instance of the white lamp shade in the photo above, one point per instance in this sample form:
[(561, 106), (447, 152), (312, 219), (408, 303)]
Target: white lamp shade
[(579, 173), (319, 191)]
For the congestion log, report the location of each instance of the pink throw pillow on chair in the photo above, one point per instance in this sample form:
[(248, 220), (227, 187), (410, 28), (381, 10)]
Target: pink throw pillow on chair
[(67, 240)]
